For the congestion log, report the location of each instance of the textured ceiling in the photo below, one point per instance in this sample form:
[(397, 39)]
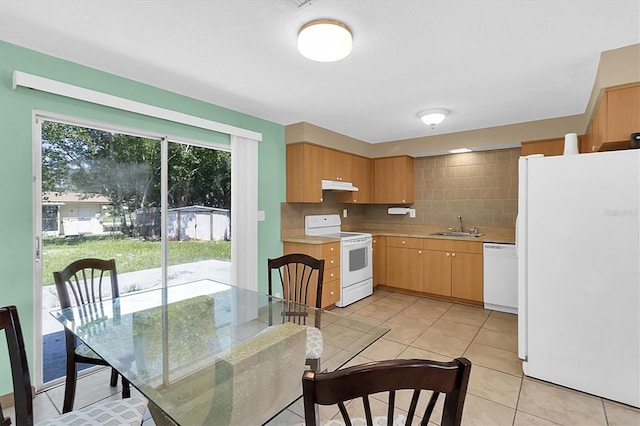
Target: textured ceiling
[(490, 62)]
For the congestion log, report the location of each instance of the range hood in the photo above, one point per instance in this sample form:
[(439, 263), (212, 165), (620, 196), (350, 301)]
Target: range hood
[(338, 185)]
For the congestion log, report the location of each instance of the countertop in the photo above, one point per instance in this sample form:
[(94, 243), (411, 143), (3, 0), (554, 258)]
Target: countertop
[(491, 235)]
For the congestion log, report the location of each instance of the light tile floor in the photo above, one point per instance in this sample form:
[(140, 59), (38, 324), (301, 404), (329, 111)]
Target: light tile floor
[(421, 327)]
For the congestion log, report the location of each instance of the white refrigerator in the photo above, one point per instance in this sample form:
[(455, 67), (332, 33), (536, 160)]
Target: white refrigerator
[(578, 244)]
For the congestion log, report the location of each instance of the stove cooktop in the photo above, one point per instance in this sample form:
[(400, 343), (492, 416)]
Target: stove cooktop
[(346, 235)]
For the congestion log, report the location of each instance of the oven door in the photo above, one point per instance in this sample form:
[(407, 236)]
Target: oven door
[(355, 261)]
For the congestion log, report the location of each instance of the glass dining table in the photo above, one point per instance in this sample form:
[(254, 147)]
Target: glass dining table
[(210, 353)]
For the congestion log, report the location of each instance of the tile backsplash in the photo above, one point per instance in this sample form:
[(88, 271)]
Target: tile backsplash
[(482, 187), (292, 214)]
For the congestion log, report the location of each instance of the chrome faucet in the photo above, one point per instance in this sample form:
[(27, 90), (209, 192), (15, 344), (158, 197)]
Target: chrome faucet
[(460, 220)]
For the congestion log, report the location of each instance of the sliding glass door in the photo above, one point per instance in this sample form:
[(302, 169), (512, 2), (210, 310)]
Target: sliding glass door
[(198, 214), (106, 194)]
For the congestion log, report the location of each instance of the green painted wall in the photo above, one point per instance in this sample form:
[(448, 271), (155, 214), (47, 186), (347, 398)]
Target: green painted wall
[(16, 107)]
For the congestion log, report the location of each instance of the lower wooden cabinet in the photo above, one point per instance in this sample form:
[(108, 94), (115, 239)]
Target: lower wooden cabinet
[(467, 276), (379, 259), (437, 272), (449, 268), (405, 263), (330, 252), (454, 268)]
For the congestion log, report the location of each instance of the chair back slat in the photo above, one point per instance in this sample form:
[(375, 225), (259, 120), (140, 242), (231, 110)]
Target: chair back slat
[(10, 323), (391, 407), (448, 378), (296, 273), (367, 410), (84, 281), (431, 405), (345, 413), (413, 406)]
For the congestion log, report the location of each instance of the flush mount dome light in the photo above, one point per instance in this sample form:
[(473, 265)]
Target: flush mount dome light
[(324, 40), (433, 117)]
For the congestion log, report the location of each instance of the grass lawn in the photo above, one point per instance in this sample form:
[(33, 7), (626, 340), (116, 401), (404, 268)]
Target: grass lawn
[(130, 254)]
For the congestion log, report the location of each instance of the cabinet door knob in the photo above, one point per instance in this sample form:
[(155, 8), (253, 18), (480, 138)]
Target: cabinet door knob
[(331, 249), (419, 251), (331, 262), (374, 241), (453, 255), (331, 275), (448, 254), (404, 242), (403, 201), (320, 199)]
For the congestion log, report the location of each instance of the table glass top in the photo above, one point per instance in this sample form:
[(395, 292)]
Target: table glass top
[(210, 353)]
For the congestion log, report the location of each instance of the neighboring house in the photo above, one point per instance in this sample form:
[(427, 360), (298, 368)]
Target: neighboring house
[(199, 223), (72, 213)]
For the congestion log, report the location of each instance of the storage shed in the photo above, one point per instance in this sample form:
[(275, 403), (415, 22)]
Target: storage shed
[(73, 213), (199, 223)]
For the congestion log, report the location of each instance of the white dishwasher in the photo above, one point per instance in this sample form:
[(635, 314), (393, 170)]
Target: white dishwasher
[(501, 277)]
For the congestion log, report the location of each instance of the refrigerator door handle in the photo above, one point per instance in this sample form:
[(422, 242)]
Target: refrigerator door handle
[(521, 252)]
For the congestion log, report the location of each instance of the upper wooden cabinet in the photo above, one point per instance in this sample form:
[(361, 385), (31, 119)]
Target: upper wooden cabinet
[(335, 165), (615, 118), (362, 177), (550, 147), (393, 180), (309, 164), (303, 173)]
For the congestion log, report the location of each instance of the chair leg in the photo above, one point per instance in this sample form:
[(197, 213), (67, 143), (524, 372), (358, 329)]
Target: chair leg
[(126, 388), (314, 364), (114, 378), (70, 386)]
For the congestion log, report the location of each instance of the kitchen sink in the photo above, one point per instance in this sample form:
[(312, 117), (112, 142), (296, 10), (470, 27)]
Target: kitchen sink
[(457, 234)]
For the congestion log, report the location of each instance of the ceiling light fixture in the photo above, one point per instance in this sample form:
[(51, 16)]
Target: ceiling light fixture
[(324, 40), (460, 150), (433, 117)]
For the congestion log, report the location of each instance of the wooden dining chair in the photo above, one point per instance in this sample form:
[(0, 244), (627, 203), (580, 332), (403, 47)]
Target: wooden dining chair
[(121, 412), (301, 278), (81, 282), (360, 381)]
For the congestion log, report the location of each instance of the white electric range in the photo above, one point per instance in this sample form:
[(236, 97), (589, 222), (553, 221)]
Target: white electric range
[(356, 273)]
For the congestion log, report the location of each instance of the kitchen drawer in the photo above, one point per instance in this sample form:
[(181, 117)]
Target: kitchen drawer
[(452, 245), (330, 252), (331, 255), (331, 274), (330, 293), (330, 286), (405, 242)]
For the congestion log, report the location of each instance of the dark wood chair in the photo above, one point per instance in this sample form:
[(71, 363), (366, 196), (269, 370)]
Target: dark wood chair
[(301, 278), (122, 412), (449, 378), (81, 282)]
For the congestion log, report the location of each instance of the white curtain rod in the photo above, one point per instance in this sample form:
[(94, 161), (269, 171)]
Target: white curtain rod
[(70, 91)]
